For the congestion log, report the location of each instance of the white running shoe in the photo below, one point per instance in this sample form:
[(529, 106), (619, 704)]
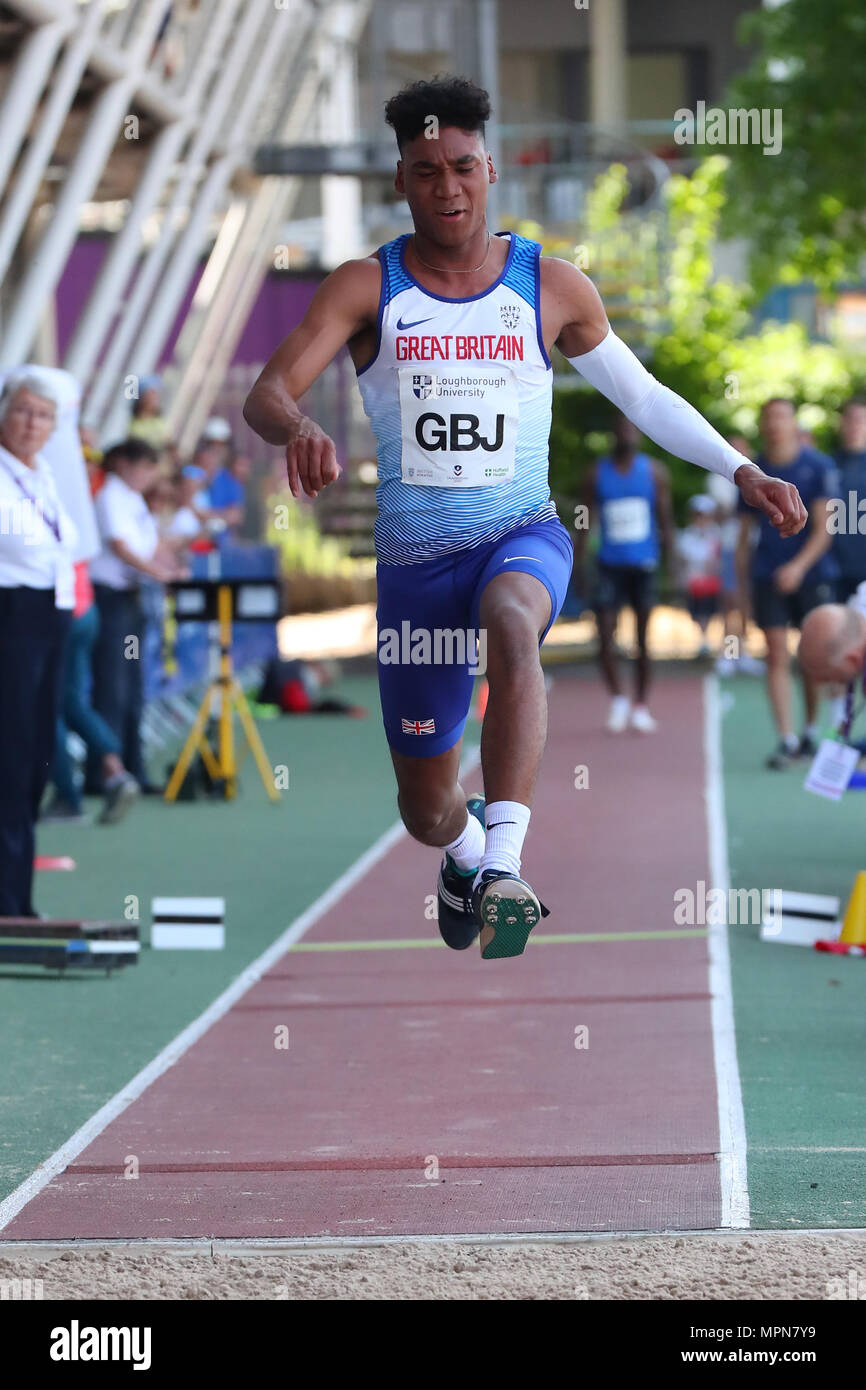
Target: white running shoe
[(617, 720), (642, 720)]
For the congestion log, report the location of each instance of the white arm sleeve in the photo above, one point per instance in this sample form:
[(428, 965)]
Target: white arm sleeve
[(658, 412)]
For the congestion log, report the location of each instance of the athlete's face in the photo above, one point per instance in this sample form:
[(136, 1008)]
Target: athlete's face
[(445, 181)]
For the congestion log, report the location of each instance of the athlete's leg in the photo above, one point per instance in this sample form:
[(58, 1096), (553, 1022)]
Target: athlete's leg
[(424, 704), (643, 666), (519, 592), (606, 622), (431, 801), (514, 613), (607, 605)]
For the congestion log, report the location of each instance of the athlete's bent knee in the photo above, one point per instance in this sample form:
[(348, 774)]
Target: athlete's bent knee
[(423, 820)]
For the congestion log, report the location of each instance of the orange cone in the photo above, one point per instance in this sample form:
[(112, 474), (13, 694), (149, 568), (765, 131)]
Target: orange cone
[(854, 925), (852, 938)]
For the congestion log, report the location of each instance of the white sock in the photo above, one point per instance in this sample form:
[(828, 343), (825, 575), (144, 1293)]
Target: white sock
[(507, 823), (812, 731), (467, 849), (791, 741)]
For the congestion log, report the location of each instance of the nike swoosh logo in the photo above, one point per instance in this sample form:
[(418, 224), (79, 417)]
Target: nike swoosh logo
[(520, 557), (403, 326)]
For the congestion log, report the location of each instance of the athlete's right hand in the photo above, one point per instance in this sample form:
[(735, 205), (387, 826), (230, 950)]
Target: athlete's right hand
[(311, 459)]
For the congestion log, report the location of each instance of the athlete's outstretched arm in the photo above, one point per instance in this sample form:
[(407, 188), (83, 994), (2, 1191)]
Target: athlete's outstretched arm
[(343, 305), (593, 349)]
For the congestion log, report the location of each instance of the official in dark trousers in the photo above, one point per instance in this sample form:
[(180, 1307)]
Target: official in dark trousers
[(36, 599), (131, 548)]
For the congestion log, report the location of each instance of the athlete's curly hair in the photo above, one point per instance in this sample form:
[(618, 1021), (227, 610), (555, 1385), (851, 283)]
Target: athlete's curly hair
[(454, 101)]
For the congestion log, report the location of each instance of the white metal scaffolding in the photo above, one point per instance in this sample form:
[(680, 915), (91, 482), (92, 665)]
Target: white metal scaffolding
[(202, 82)]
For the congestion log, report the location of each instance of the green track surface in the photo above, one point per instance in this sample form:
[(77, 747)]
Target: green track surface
[(68, 1043), (799, 1014)]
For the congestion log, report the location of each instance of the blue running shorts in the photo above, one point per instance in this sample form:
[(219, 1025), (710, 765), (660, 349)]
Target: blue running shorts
[(428, 615)]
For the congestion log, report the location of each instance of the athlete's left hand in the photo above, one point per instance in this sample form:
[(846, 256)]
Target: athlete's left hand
[(778, 500)]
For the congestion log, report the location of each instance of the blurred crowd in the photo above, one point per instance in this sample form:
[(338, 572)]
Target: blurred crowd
[(729, 563), (88, 541)]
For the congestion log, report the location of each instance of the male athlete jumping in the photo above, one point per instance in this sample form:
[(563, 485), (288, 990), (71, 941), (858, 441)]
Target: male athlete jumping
[(450, 329)]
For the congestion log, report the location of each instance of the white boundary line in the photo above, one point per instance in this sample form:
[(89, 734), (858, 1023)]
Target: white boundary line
[(732, 1125), (59, 1160)]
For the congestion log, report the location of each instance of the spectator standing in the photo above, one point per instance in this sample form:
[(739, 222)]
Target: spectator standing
[(699, 550), (227, 492), (76, 713), (186, 525), (788, 576), (130, 549), (147, 421), (734, 655), (37, 539), (849, 543)]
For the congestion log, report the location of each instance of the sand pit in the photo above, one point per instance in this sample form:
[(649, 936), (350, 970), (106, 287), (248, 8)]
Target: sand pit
[(762, 1266)]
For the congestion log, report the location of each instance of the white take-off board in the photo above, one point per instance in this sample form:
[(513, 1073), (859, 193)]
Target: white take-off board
[(188, 924)]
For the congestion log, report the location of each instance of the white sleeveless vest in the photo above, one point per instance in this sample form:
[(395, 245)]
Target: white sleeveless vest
[(458, 395)]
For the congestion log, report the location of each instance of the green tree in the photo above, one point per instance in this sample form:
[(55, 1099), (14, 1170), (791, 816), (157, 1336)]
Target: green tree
[(704, 346), (803, 209)]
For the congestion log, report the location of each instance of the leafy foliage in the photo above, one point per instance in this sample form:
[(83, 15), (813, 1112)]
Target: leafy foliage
[(804, 209), (703, 344)]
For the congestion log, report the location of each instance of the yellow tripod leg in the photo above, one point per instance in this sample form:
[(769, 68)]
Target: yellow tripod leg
[(208, 758), (226, 683), (194, 737), (239, 700)]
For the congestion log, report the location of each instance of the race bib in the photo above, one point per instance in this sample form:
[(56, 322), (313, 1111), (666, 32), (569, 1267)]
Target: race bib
[(458, 426), (627, 520), (832, 768)]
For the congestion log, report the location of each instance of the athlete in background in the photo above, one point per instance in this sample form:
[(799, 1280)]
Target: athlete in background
[(629, 494), (450, 330)]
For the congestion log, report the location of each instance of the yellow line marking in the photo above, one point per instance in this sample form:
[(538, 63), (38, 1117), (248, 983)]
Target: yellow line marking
[(562, 939)]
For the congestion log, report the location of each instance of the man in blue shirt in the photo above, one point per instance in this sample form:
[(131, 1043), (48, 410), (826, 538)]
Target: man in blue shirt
[(849, 542), (788, 577), (226, 493), (630, 494)]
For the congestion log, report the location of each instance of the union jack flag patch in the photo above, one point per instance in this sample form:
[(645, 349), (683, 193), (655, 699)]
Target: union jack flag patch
[(419, 726)]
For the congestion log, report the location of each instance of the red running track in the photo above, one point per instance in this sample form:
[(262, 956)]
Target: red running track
[(425, 1091)]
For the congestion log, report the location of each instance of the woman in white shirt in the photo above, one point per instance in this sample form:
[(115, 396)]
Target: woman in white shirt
[(36, 599)]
